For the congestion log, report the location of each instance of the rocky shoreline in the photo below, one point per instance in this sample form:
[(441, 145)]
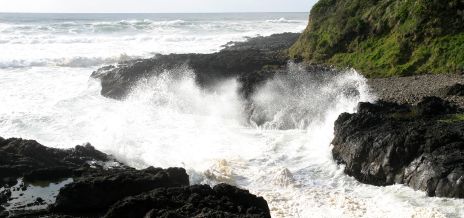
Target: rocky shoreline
[(252, 62), (406, 137), (412, 135), (405, 113), (421, 146), (412, 89), (84, 182)]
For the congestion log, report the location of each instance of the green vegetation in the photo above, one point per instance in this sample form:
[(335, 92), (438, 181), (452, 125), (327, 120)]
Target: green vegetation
[(453, 118), (385, 37)]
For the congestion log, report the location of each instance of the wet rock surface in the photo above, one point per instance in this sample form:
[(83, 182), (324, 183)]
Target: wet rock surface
[(29, 159), (97, 191), (84, 182), (194, 201), (252, 62), (276, 42), (421, 146)]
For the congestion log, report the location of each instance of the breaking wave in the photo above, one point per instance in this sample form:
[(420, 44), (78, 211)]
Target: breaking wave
[(82, 42), (75, 62), (282, 20), (296, 99), (276, 144)]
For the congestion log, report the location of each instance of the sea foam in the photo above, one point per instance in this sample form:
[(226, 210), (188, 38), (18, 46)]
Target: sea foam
[(280, 151)]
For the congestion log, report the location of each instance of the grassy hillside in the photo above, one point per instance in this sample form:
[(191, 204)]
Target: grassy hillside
[(385, 37)]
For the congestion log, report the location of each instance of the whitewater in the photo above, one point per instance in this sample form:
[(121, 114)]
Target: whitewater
[(281, 150)]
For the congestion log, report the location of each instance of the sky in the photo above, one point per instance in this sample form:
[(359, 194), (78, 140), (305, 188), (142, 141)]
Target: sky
[(155, 6)]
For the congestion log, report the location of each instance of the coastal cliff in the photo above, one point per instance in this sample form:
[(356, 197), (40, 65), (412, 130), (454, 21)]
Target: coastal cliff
[(385, 38)]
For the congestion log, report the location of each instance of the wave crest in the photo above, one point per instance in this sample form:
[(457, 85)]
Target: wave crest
[(298, 98), (282, 20), (74, 62)]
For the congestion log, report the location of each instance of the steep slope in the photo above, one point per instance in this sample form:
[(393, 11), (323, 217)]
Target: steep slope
[(385, 37)]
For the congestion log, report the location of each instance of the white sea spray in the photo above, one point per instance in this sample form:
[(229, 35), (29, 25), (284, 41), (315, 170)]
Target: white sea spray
[(281, 151)]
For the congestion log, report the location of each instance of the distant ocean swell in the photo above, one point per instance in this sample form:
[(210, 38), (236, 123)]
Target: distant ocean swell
[(281, 152), (96, 40)]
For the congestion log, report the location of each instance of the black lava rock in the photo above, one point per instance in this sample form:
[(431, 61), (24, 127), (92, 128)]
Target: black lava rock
[(255, 56), (382, 107), (454, 90), (432, 106), (275, 42), (194, 201), (4, 214), (29, 159), (421, 147), (39, 201), (97, 191), (5, 195)]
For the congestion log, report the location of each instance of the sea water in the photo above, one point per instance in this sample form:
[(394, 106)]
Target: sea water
[(46, 94)]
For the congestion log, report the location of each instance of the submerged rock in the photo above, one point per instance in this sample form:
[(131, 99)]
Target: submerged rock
[(261, 56), (420, 146)]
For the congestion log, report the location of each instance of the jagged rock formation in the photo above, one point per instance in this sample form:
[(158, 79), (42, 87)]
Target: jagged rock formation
[(252, 62), (33, 161), (96, 192), (386, 37), (194, 201), (420, 146), (96, 184)]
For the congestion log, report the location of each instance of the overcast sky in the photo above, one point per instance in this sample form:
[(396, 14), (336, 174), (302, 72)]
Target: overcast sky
[(155, 6)]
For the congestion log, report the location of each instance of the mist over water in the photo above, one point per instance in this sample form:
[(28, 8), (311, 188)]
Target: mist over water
[(280, 149), (299, 98)]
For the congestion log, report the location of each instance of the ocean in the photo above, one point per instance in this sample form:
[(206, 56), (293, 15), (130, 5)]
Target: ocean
[(46, 94)]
